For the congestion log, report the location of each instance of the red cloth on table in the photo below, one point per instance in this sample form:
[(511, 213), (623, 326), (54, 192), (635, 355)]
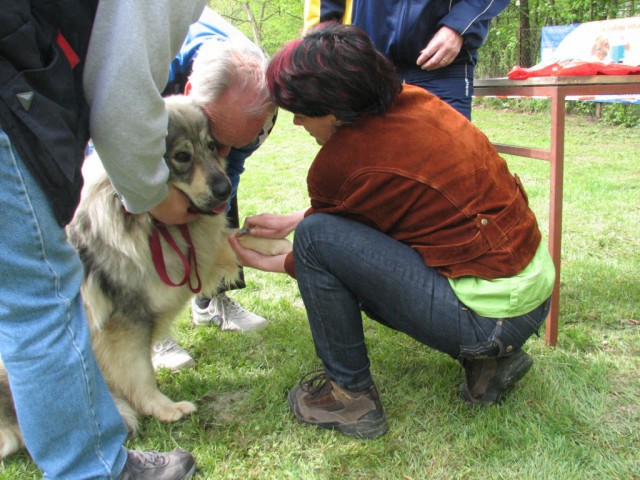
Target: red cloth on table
[(572, 68)]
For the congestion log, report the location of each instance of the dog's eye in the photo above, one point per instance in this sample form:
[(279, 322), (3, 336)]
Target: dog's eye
[(212, 145), (183, 157)]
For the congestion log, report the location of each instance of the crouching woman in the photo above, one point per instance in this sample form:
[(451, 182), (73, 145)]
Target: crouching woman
[(414, 219)]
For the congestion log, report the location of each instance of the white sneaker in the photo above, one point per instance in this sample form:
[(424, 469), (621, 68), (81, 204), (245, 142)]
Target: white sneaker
[(226, 315), (168, 354)]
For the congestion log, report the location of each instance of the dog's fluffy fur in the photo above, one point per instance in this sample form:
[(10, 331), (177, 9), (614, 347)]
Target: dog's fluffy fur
[(128, 305)]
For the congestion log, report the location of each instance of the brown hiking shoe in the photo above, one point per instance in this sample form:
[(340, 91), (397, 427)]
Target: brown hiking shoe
[(490, 379), (318, 400)]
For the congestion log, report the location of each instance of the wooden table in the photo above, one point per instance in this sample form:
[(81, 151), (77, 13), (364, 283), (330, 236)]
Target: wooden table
[(557, 89)]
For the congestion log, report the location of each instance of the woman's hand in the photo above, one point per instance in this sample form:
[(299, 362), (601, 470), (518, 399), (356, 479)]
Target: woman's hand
[(270, 225)]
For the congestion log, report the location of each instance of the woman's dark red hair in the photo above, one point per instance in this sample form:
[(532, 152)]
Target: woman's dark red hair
[(334, 69)]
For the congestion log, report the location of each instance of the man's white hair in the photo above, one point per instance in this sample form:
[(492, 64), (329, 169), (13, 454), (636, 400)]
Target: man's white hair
[(220, 65)]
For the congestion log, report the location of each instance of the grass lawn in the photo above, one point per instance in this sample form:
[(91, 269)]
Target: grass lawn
[(576, 415)]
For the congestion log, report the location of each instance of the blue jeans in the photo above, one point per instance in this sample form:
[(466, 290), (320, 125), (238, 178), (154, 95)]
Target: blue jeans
[(69, 421), (344, 267)]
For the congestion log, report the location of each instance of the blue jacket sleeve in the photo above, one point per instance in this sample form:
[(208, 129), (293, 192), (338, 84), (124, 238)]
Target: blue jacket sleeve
[(210, 26), (471, 19)]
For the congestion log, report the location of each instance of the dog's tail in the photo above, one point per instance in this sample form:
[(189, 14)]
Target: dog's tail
[(10, 439), (128, 414), (10, 434)]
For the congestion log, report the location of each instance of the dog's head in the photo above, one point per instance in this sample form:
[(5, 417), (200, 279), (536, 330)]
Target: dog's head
[(194, 164)]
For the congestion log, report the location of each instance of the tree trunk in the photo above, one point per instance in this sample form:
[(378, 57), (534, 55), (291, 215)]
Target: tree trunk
[(255, 28), (526, 54)]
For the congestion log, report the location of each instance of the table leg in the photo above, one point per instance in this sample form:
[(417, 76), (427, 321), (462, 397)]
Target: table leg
[(555, 209)]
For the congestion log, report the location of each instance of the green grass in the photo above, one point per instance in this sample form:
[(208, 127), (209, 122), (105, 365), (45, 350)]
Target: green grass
[(576, 415)]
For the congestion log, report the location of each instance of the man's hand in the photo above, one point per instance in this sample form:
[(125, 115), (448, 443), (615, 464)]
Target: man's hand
[(441, 50), (174, 209)]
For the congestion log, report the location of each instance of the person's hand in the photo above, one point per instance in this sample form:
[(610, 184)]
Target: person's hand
[(251, 258), (174, 209), (270, 225), (441, 50)]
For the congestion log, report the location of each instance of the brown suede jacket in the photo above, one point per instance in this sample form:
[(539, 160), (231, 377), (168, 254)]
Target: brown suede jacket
[(424, 175)]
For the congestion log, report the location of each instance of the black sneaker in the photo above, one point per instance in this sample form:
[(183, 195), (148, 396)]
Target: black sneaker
[(489, 380), (176, 465), (318, 400)]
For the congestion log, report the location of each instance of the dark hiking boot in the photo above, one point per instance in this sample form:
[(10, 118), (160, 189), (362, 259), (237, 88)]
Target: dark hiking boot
[(175, 465), (318, 400), (490, 379)]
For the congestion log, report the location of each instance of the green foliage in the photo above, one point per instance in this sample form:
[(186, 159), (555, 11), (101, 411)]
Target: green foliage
[(589, 109), (614, 114), (626, 115), (518, 105), (274, 22), (499, 53)]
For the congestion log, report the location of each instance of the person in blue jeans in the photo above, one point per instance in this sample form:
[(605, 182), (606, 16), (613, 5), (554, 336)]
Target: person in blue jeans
[(438, 243), (212, 47), (67, 73), (433, 44)]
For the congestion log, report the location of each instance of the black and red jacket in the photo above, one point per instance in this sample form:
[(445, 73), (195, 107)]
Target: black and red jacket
[(43, 45)]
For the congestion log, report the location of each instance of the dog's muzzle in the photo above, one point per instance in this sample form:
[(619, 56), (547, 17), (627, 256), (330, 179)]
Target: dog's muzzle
[(220, 209)]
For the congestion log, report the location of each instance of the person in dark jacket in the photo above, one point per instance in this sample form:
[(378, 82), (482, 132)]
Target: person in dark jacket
[(432, 43), (67, 72), (438, 243)]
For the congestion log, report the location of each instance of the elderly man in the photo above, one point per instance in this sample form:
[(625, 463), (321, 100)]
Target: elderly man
[(224, 72)]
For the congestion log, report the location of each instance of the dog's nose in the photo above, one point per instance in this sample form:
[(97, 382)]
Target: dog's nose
[(220, 186)]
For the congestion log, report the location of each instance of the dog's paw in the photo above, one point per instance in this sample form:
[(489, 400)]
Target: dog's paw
[(175, 411), (266, 246)]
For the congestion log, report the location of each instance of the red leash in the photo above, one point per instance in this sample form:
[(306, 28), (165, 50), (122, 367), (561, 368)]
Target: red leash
[(187, 261)]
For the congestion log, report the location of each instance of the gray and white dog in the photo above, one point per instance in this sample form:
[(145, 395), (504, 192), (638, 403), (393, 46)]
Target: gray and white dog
[(128, 304)]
